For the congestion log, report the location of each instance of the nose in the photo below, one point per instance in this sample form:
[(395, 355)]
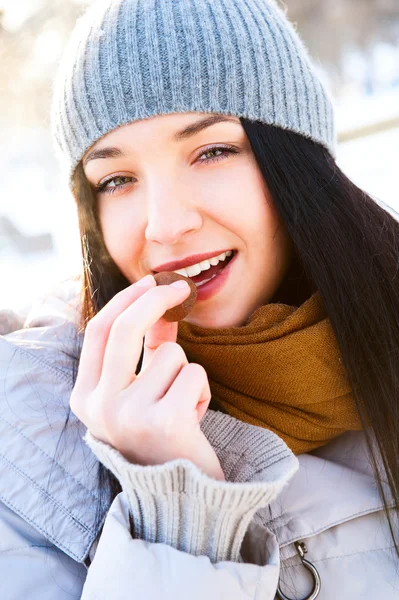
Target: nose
[(170, 217)]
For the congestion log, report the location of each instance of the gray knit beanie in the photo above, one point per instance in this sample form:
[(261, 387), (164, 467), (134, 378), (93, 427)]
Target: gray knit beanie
[(132, 59)]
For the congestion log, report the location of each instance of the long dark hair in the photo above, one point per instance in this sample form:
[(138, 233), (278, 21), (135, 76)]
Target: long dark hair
[(348, 249)]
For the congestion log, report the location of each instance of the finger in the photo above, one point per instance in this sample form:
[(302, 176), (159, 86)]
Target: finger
[(125, 340), (190, 390), (97, 333), (160, 333), (166, 364)]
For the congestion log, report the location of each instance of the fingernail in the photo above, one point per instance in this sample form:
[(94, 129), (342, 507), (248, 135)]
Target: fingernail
[(145, 282), (180, 285)]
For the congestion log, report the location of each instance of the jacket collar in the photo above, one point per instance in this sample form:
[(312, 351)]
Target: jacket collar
[(53, 485), (333, 484)]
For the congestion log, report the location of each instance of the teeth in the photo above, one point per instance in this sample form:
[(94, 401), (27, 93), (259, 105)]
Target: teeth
[(193, 270), (204, 265), (181, 272)]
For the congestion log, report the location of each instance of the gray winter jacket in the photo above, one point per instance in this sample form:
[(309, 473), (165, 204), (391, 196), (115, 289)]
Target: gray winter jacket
[(193, 537)]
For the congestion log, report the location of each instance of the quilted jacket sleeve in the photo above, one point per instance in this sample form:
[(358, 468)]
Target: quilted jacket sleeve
[(31, 566)]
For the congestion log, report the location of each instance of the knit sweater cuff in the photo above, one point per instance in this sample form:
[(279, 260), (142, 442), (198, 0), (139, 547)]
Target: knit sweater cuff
[(176, 504)]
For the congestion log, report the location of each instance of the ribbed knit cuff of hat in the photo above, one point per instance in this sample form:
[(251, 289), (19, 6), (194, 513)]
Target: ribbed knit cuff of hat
[(177, 504)]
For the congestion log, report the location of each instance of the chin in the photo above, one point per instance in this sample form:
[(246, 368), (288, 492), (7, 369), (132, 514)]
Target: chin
[(217, 320)]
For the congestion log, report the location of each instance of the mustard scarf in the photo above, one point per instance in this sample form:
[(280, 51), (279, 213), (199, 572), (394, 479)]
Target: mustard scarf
[(282, 370)]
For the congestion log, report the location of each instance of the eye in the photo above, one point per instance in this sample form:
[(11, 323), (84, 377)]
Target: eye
[(109, 186), (224, 150)]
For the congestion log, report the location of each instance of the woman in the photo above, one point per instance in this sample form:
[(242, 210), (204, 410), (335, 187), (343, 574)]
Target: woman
[(198, 139)]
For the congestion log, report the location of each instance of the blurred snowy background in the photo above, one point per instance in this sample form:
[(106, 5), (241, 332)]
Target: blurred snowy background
[(355, 44)]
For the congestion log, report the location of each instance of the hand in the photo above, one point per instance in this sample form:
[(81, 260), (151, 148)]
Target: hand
[(153, 417)]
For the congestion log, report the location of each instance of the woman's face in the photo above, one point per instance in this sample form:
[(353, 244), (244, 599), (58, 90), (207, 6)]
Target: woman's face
[(164, 197)]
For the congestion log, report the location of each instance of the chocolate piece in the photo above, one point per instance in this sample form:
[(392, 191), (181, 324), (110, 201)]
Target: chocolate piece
[(177, 313)]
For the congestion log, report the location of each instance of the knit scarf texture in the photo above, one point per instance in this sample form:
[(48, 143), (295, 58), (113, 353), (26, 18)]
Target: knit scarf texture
[(282, 370)]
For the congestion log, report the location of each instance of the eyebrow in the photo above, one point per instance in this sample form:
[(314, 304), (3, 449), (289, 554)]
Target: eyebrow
[(183, 134)]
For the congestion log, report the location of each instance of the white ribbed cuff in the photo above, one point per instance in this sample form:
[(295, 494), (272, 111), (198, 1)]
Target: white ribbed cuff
[(176, 504)]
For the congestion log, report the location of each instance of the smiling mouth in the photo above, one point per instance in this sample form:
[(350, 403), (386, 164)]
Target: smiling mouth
[(211, 273)]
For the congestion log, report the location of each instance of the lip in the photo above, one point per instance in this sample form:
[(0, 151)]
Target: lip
[(206, 291), (187, 262)]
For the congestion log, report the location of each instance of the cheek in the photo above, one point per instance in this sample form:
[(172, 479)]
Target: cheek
[(265, 219), (247, 207), (119, 229), (273, 238), (268, 243)]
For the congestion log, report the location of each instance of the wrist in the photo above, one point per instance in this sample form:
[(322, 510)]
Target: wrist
[(219, 475)]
